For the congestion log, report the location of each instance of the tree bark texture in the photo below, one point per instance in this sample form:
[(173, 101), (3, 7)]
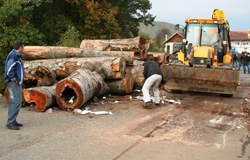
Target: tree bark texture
[(138, 45), (112, 67), (53, 52), (39, 76), (123, 86), (79, 87), (7, 96), (136, 71), (158, 57), (43, 97)]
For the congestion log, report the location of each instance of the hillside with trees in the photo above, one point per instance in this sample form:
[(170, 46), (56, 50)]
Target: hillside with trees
[(152, 30)]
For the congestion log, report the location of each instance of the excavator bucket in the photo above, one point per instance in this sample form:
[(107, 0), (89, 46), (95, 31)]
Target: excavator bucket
[(213, 80)]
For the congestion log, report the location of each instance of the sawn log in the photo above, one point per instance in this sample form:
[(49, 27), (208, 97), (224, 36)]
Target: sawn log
[(53, 52), (123, 86), (138, 45), (113, 67), (43, 97), (39, 76), (136, 71), (82, 85)]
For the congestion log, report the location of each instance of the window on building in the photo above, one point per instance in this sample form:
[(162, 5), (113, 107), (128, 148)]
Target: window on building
[(168, 48), (245, 43), (237, 43)]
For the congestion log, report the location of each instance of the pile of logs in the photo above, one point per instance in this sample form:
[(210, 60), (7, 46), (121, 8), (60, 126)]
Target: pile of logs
[(70, 77)]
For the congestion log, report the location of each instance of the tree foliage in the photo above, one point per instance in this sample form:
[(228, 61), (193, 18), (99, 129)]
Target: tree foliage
[(160, 36), (52, 22)]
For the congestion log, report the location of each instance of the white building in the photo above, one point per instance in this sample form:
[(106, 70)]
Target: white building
[(240, 40), (173, 44)]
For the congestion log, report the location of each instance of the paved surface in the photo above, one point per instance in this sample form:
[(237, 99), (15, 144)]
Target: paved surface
[(204, 126)]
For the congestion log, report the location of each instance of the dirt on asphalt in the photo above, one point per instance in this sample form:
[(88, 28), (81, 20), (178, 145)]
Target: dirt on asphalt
[(203, 122)]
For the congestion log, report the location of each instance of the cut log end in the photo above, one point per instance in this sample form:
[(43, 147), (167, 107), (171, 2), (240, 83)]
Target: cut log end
[(33, 96), (128, 84), (69, 95)]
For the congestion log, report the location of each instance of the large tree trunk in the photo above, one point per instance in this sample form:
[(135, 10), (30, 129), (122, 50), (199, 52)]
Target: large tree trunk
[(43, 97), (138, 45), (53, 52), (136, 71), (113, 67), (158, 57), (39, 76), (123, 86), (7, 96), (82, 85)]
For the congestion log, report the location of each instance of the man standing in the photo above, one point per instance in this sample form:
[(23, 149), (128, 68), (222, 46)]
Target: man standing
[(244, 62), (238, 60), (153, 77), (14, 74)]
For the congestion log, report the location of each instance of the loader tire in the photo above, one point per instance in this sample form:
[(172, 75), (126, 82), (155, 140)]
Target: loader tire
[(228, 65), (177, 61)]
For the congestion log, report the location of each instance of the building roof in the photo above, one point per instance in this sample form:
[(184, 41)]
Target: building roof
[(239, 35), (181, 34)]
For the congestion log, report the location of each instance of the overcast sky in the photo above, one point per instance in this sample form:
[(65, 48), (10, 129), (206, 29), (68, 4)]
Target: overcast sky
[(237, 12)]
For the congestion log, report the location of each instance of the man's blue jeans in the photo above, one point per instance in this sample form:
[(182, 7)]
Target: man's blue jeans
[(248, 67), (245, 68), (15, 101), (238, 65)]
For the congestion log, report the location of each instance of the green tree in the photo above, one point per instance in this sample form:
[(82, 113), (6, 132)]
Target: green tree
[(15, 25), (144, 35), (71, 38), (160, 37), (130, 14), (97, 19)]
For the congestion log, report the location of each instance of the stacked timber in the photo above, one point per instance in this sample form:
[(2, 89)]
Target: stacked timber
[(54, 52), (138, 45), (113, 67), (69, 77)]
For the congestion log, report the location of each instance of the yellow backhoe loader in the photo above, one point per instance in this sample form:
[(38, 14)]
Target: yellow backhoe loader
[(204, 63)]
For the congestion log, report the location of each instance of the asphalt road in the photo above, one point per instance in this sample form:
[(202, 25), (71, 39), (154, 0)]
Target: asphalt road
[(204, 126)]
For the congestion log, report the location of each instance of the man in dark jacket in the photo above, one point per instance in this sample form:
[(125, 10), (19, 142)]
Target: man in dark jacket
[(244, 62), (153, 77), (248, 63), (238, 60), (14, 74)]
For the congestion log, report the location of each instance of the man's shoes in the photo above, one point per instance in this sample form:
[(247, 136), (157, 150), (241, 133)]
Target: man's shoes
[(12, 126), (158, 104), (19, 124), (147, 104)]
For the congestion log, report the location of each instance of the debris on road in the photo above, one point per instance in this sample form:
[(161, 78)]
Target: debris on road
[(86, 111)]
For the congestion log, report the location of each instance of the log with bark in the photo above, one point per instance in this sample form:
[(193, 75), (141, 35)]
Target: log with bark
[(158, 57), (113, 67), (51, 52), (43, 97), (7, 96), (39, 76), (82, 85), (136, 71), (123, 86), (138, 45)]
